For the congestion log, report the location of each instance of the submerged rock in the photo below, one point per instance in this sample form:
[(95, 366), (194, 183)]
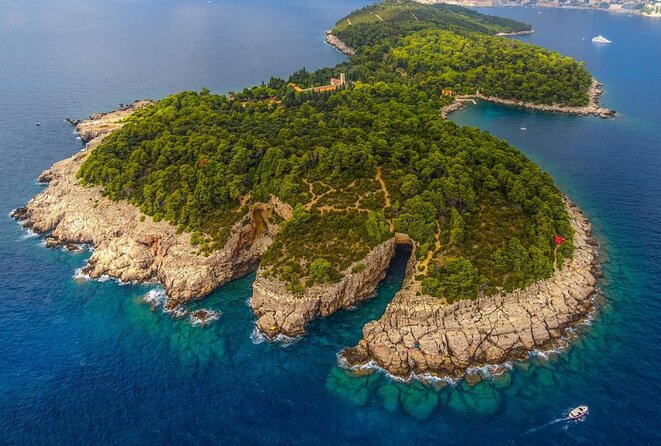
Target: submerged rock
[(389, 395), (352, 388), (203, 316), (419, 401)]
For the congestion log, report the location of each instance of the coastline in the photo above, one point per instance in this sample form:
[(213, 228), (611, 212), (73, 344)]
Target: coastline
[(332, 40), (133, 248), (130, 246), (494, 4), (592, 109), (516, 33), (420, 335)]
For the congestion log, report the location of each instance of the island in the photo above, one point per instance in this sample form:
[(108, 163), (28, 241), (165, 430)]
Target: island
[(313, 181)]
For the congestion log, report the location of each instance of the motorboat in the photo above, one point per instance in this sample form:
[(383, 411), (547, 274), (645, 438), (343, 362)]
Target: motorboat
[(578, 413), (600, 39)]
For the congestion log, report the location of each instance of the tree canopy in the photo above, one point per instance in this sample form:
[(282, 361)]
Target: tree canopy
[(358, 164)]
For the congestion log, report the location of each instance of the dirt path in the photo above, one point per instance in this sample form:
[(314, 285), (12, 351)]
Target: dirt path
[(437, 247), (384, 189), (315, 197)]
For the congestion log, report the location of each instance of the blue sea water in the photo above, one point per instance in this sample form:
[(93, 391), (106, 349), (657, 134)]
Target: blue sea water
[(85, 362)]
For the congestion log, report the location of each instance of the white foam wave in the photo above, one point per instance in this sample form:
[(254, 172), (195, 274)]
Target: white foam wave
[(178, 312), (487, 371), (28, 234), (257, 337), (155, 298)]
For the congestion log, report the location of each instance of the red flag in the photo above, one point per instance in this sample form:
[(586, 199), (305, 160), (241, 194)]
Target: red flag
[(559, 240)]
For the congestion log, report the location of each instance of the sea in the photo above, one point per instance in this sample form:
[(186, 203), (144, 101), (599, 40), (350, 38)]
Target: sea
[(89, 362)]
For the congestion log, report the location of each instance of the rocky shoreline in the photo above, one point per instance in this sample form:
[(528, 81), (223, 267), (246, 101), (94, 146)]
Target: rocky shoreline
[(516, 33), (419, 334), (279, 312), (593, 108), (336, 43), (130, 246)]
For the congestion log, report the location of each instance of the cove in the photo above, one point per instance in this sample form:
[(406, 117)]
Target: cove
[(89, 363)]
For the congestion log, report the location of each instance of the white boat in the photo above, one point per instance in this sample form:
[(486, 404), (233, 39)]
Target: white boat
[(578, 412), (600, 39)]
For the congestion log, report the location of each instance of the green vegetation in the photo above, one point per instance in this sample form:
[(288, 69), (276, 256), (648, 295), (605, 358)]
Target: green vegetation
[(356, 165), (388, 21), (495, 66)]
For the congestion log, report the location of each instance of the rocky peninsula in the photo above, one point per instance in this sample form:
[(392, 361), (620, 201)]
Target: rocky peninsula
[(315, 189), (130, 246), (419, 334)]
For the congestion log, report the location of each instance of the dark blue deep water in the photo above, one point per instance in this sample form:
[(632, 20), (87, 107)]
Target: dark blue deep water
[(89, 363)]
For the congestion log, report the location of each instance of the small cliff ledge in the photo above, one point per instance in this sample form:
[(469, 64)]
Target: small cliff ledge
[(281, 312), (127, 244), (419, 334)]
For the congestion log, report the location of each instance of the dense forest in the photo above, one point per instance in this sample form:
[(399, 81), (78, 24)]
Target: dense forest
[(386, 22), (357, 165), (494, 66)]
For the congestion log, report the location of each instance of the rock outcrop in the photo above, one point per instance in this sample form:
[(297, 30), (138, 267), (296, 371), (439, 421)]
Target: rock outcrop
[(130, 246), (420, 334), (336, 43), (281, 312)]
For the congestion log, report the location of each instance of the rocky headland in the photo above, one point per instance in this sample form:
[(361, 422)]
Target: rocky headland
[(417, 334), (593, 108), (280, 312), (420, 334), (130, 246)]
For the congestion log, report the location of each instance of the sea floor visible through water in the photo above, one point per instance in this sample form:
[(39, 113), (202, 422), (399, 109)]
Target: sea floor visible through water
[(91, 362)]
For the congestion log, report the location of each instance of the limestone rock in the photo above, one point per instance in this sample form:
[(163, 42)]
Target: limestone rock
[(421, 334), (281, 312), (130, 246)]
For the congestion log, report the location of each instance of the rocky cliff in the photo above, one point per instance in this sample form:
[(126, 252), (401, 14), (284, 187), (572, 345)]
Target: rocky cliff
[(420, 334), (281, 312), (130, 246)]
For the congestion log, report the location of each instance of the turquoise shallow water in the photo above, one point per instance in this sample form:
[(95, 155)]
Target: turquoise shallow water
[(87, 362)]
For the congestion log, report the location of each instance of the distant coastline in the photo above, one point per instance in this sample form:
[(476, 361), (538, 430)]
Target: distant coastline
[(593, 108), (547, 5)]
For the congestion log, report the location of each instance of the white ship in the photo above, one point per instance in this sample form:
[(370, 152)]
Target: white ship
[(600, 39)]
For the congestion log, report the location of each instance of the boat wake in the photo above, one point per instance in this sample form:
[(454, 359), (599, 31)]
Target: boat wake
[(557, 420), (570, 417)]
